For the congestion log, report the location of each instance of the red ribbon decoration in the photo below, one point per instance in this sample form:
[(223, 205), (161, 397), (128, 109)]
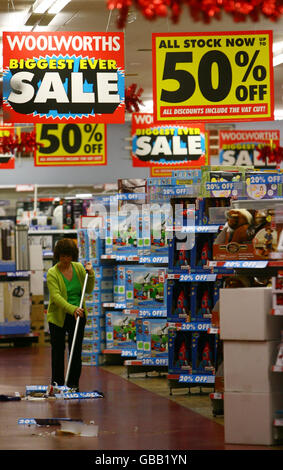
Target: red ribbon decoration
[(200, 10), (271, 155), (26, 143), (132, 98)]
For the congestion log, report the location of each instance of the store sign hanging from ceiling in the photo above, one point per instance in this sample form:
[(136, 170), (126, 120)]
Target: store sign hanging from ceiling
[(242, 147), (213, 76), (63, 77), (178, 145), (71, 144)]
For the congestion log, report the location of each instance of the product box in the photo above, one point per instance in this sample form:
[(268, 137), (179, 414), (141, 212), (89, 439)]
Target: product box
[(204, 353), (248, 235), (245, 315), (247, 366), (213, 210), (94, 334), (119, 284), (203, 298), (178, 301), (179, 351), (154, 336), (186, 211), (181, 254), (146, 286), (94, 309), (92, 359), (262, 185), (248, 417), (120, 330), (125, 235), (93, 346), (90, 245)]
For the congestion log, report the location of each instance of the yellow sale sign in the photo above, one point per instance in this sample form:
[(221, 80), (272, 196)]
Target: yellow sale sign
[(213, 76), (70, 144)]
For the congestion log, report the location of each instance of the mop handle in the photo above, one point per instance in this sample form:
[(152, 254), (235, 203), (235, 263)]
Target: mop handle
[(76, 330)]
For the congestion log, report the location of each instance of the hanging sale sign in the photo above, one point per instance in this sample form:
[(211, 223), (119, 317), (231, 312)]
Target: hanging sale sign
[(70, 144), (213, 76), (7, 158), (242, 147), (180, 145), (63, 77)]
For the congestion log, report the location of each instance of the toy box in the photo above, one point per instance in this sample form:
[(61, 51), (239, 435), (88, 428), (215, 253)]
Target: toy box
[(179, 301), (119, 284), (152, 337), (194, 253), (90, 246), (186, 211), (260, 185), (179, 351), (125, 235), (248, 234), (94, 333), (212, 210), (202, 301), (93, 309), (92, 359), (146, 286), (204, 353), (120, 330), (192, 352), (93, 346)]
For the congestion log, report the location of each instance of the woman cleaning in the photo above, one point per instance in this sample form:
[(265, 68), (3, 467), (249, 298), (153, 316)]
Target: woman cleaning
[(65, 282)]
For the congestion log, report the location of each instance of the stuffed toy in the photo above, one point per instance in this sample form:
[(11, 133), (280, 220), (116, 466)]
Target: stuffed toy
[(236, 228)]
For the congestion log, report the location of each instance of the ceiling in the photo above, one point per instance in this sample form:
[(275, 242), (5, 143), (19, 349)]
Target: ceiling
[(93, 15)]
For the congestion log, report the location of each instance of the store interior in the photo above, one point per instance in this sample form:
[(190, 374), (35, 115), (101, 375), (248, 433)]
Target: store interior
[(184, 336)]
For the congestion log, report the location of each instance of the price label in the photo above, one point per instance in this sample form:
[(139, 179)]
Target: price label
[(197, 379), (229, 73), (71, 144)]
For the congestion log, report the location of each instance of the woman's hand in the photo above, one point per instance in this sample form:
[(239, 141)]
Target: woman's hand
[(79, 312), (88, 267)]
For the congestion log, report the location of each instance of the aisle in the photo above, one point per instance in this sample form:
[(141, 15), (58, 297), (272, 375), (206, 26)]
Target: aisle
[(129, 417)]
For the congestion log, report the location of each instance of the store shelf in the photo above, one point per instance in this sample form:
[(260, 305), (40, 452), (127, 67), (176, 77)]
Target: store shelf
[(277, 311), (120, 352), (18, 339), (200, 379), (49, 231), (150, 259), (194, 326)]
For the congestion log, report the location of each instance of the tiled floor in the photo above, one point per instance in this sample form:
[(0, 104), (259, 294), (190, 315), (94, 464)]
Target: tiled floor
[(136, 413)]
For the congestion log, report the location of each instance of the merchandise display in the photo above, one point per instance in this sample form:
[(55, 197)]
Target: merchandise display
[(172, 190)]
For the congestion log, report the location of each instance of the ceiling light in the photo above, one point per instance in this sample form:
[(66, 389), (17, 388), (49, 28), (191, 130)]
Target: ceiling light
[(41, 6), (277, 46), (277, 60), (57, 6)]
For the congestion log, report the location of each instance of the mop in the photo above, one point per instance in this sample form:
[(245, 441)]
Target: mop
[(38, 392)]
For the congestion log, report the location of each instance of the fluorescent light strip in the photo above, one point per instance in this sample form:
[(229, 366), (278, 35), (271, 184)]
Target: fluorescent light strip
[(277, 60), (57, 6), (41, 6)]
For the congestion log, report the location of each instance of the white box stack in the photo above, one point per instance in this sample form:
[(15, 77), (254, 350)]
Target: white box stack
[(252, 392)]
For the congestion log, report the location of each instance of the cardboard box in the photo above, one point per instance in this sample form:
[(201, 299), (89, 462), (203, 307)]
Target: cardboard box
[(247, 367), (37, 282), (245, 315), (248, 417)]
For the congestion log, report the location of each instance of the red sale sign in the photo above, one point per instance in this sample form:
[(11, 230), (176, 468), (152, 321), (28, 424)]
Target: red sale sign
[(63, 77), (176, 145)]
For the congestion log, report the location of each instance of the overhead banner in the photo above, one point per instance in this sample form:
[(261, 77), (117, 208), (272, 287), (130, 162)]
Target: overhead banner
[(242, 147), (213, 76), (165, 145), (63, 77), (7, 159), (70, 144)]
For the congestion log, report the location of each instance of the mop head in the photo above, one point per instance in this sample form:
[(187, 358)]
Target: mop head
[(58, 391)]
